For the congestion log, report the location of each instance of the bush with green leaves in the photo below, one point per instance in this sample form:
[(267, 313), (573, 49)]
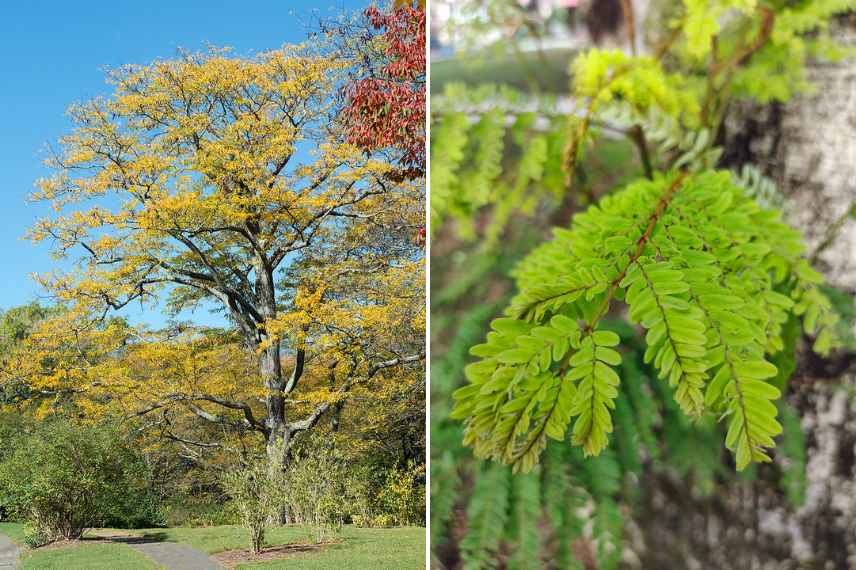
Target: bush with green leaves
[(35, 537), (200, 510), (64, 478), (401, 496), (257, 494), (318, 491), (387, 495)]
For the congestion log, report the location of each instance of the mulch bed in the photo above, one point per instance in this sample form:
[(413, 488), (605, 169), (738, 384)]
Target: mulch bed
[(232, 558)]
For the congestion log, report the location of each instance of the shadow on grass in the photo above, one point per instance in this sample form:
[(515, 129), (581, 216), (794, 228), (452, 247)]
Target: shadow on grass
[(145, 538), (123, 537), (101, 538)]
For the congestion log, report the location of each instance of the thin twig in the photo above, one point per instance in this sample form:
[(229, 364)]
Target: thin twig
[(730, 66), (832, 232)]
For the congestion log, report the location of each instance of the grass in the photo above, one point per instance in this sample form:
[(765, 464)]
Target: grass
[(13, 530), (216, 539), (358, 548), (375, 548), (77, 556), (86, 557), (521, 71)]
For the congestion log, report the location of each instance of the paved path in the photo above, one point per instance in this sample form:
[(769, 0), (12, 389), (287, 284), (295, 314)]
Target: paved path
[(173, 556), (8, 553)]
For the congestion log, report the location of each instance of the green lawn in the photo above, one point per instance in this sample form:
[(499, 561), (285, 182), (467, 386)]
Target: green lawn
[(13, 530), (358, 548), (86, 557), (549, 71), (219, 538), (375, 548)]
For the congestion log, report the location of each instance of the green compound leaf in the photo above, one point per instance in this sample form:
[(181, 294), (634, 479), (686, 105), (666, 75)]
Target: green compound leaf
[(711, 276)]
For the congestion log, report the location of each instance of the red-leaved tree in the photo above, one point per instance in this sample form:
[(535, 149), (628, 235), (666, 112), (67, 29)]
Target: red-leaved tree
[(386, 106)]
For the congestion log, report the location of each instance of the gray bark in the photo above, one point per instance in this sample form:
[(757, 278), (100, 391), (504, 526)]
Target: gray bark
[(808, 146), (277, 431)]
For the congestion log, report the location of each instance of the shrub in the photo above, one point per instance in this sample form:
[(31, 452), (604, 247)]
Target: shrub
[(139, 506), (402, 495), (383, 496), (363, 482), (257, 496), (383, 521), (64, 478), (34, 537), (317, 491), (200, 511)]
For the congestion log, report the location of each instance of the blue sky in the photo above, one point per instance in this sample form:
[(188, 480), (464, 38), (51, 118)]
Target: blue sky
[(53, 53)]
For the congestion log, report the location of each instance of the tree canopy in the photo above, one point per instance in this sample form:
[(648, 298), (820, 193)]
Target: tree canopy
[(226, 181)]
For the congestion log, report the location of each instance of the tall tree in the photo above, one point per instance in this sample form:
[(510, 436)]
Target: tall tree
[(226, 180)]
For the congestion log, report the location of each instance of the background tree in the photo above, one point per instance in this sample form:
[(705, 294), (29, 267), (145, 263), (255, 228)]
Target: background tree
[(386, 99), (16, 325), (63, 478)]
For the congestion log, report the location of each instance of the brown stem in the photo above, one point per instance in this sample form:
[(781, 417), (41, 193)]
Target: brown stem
[(640, 246), (666, 44), (832, 232), (569, 153), (629, 23), (741, 56), (637, 135)]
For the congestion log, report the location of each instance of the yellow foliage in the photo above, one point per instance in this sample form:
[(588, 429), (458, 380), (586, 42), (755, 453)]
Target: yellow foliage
[(221, 179)]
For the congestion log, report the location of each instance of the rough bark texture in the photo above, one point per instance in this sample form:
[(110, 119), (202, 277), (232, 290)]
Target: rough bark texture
[(751, 525), (271, 371), (808, 147)]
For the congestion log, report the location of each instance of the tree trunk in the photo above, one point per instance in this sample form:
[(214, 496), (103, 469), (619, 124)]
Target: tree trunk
[(278, 436), (270, 367), (808, 147)]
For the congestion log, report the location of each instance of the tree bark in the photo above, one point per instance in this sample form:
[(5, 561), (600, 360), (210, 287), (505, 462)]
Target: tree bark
[(270, 367), (808, 146)]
